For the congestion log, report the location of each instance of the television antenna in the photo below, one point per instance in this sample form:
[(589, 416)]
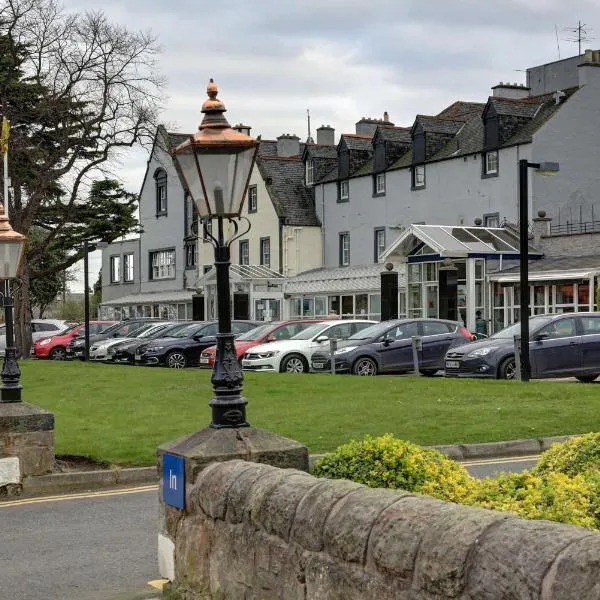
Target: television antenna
[(580, 33)]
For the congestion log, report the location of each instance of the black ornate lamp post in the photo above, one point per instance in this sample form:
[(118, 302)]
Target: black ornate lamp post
[(214, 166), (12, 244)]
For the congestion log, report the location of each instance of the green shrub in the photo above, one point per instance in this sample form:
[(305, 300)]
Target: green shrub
[(553, 496), (577, 456), (391, 463)]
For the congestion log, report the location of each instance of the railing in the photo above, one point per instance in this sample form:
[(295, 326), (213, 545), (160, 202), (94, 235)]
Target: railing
[(569, 227)]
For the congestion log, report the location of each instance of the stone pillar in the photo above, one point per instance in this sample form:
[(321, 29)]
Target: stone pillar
[(26, 444), (202, 448), (389, 293), (541, 227), (448, 285)]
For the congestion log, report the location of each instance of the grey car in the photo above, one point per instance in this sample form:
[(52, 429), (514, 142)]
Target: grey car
[(561, 345)]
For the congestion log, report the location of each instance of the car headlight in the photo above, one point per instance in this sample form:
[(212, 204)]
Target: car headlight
[(154, 348), (44, 342), (346, 349), (269, 354), (481, 352)]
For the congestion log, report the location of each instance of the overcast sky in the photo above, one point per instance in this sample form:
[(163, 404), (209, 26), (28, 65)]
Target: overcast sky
[(342, 59)]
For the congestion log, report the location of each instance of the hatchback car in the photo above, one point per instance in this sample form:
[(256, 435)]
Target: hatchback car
[(263, 334), (55, 347), (387, 347), (561, 345), (185, 346), (100, 350), (294, 355)]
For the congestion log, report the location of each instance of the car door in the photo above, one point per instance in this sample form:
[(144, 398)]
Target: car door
[(437, 337), (395, 347), (194, 347), (555, 349), (590, 344), (339, 331)]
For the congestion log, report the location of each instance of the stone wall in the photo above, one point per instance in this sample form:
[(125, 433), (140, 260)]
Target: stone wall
[(256, 532)]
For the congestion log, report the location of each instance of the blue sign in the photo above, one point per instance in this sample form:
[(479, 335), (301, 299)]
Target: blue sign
[(173, 481)]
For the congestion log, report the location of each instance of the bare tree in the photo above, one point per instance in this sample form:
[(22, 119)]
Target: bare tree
[(92, 91)]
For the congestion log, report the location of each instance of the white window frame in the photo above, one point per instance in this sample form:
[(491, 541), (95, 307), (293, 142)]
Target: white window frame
[(380, 183), (244, 252), (344, 189), (491, 220), (344, 241), (419, 176), (115, 269), (162, 264), (310, 172), (128, 272), (491, 162), (265, 252), (191, 252), (380, 242), (252, 199)]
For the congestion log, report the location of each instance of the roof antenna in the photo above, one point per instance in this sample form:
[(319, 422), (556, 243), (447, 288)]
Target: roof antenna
[(580, 33), (309, 139), (557, 42)]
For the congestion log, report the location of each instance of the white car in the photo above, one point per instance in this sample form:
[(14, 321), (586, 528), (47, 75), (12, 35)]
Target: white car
[(99, 350), (293, 355), (40, 329)]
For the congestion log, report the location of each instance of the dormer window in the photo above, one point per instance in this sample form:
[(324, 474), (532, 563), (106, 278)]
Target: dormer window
[(379, 184), (490, 163), (418, 177), (310, 172), (343, 190)]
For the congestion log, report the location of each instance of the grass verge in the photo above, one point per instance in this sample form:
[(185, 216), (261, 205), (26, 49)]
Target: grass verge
[(120, 414)]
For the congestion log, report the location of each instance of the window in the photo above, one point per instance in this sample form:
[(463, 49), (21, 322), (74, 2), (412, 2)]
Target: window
[(402, 332), (418, 176), (206, 229), (162, 264), (115, 269), (379, 244), (265, 252), (252, 199), (491, 220), (344, 249), (490, 167), (191, 217), (379, 184), (160, 177), (559, 329), (343, 191), (190, 255), (591, 325), (128, 268), (310, 172), (244, 252), (436, 328)]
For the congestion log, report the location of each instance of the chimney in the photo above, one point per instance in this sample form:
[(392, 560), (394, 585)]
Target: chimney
[(288, 145), (514, 91), (367, 126), (541, 227), (242, 128), (326, 135), (588, 70)]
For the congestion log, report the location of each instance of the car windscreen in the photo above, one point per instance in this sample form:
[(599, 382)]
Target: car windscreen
[(67, 329), (149, 332), (311, 331), (170, 330), (508, 333), (370, 332), (256, 333), (189, 330)]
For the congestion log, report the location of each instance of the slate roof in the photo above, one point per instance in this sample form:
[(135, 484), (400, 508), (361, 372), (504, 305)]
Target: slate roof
[(339, 279), (558, 263), (460, 109), (395, 134), (526, 107), (178, 138), (356, 141), (438, 125)]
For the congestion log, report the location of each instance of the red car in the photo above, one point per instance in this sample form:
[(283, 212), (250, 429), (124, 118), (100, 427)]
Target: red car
[(54, 347), (269, 332)]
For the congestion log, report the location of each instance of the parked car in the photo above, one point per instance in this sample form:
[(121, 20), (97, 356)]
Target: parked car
[(99, 350), (561, 345), (124, 351), (387, 347), (263, 334), (55, 347), (122, 329), (293, 355), (40, 329), (185, 346)]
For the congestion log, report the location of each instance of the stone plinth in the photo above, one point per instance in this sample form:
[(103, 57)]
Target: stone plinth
[(27, 434)]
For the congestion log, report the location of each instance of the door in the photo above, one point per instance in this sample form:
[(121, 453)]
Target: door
[(590, 344), (437, 338), (241, 306), (559, 352), (198, 308), (395, 348)]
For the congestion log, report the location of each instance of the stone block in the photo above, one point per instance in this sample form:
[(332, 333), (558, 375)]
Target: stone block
[(192, 550), (34, 448), (314, 509), (22, 417), (259, 492), (240, 490), (511, 559), (10, 470), (350, 523), (494, 449)]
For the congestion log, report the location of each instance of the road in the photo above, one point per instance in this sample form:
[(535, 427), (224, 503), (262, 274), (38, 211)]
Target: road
[(99, 545)]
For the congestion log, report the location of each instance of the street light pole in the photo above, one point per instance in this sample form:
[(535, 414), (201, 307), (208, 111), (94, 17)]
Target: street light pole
[(86, 302)]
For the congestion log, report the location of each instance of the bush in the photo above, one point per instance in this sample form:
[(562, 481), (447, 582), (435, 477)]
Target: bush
[(391, 463), (577, 456)]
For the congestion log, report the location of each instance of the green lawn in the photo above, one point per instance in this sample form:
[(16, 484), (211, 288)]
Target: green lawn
[(119, 414)]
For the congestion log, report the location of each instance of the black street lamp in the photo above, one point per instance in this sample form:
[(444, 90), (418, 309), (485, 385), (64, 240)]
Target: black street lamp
[(543, 168), (12, 245), (214, 166)]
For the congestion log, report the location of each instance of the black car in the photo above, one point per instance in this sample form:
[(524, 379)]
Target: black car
[(561, 345), (387, 347), (76, 347), (185, 346), (124, 352)]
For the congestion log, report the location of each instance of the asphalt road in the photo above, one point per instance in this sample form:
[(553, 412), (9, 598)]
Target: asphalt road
[(98, 546)]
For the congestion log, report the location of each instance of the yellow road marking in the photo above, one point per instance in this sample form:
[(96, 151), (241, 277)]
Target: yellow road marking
[(158, 583), (500, 461), (79, 496)]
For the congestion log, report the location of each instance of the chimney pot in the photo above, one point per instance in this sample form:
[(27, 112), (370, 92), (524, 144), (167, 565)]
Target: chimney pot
[(288, 145)]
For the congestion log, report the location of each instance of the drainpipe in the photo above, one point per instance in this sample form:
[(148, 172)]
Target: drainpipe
[(296, 240), (281, 245), (323, 225)]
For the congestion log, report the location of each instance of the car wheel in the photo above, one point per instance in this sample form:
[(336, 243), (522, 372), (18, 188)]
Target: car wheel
[(176, 360), (586, 378), (508, 368), (58, 353), (365, 367), (294, 363), (429, 372)]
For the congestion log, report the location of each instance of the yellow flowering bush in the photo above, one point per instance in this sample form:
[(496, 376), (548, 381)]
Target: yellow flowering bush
[(391, 463), (576, 456)]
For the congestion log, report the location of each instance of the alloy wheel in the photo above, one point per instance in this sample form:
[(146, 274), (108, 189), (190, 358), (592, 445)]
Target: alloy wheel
[(58, 354), (294, 365), (365, 367), (176, 360)]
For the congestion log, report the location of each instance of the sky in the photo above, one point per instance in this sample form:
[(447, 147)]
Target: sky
[(340, 59)]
